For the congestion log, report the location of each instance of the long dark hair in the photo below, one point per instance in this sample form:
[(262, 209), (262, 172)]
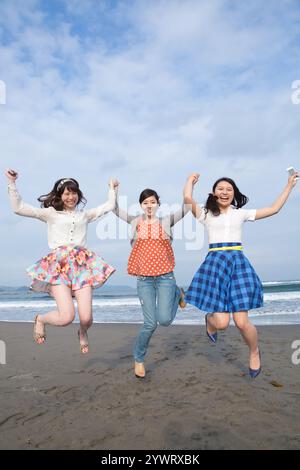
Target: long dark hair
[(53, 199), (239, 199), (148, 193)]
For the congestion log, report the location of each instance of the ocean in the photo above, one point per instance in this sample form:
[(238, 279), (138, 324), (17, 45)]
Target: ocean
[(120, 304)]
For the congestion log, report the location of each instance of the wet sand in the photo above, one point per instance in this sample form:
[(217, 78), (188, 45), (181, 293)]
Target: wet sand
[(196, 395)]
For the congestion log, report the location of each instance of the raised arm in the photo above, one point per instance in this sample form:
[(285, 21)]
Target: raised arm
[(188, 195), (120, 212), (180, 213), (280, 201), (97, 212), (18, 206)]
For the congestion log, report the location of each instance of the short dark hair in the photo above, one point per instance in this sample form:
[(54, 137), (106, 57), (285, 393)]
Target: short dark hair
[(148, 193)]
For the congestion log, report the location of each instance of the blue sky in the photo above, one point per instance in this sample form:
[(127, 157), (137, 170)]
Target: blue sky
[(148, 92)]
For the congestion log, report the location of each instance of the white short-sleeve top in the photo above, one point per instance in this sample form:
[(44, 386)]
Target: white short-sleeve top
[(226, 227), (64, 227)]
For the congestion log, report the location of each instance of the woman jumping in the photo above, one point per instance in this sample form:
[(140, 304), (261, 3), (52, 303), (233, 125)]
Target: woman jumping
[(152, 262), (70, 269), (226, 282)]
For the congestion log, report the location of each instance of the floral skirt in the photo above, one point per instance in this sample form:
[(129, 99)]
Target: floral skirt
[(73, 266)]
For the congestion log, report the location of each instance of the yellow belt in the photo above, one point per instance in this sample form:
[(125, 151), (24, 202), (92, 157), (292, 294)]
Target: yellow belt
[(218, 248)]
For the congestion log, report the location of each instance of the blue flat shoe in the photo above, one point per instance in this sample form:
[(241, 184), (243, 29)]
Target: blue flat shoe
[(255, 372), (213, 337)]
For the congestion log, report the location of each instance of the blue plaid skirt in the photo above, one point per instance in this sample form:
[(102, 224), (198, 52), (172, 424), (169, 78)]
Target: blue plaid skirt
[(225, 282)]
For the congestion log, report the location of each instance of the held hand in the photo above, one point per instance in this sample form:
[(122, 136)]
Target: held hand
[(293, 180), (194, 178), (114, 184), (11, 174)]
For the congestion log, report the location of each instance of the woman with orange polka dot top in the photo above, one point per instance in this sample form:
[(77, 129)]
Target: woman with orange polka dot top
[(152, 262)]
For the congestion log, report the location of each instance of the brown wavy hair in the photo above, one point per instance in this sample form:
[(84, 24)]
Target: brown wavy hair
[(53, 199), (239, 199)]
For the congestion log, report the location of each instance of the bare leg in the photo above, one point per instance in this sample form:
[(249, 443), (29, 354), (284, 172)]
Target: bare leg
[(217, 321), (84, 302), (65, 313), (249, 333)]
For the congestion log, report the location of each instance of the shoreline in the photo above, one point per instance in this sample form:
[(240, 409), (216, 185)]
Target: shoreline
[(178, 322)]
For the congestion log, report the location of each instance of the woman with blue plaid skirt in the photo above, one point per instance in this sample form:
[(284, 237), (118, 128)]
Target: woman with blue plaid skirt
[(226, 282)]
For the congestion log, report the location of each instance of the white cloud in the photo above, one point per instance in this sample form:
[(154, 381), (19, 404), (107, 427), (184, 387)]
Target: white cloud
[(190, 86)]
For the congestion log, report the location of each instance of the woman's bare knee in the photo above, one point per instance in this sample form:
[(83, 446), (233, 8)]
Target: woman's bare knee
[(241, 320), (223, 325), (221, 321), (86, 322), (241, 323), (67, 318)]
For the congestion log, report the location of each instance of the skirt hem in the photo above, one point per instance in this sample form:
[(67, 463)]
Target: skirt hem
[(223, 310), (73, 266), (45, 287)]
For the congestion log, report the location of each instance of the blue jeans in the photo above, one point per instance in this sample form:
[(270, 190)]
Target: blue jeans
[(159, 297)]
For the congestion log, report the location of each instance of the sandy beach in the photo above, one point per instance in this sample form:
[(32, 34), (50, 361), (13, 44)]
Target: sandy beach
[(195, 396)]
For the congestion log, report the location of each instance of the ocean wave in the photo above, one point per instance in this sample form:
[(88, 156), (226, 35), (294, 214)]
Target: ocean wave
[(273, 296), (51, 303), (127, 301), (274, 313), (280, 283)]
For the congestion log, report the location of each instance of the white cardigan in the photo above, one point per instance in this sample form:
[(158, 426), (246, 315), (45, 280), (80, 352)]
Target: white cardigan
[(64, 227)]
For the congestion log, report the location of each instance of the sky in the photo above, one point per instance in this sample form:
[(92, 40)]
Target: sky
[(148, 92)]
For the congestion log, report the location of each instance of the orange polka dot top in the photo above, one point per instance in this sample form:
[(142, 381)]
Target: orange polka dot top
[(152, 254)]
